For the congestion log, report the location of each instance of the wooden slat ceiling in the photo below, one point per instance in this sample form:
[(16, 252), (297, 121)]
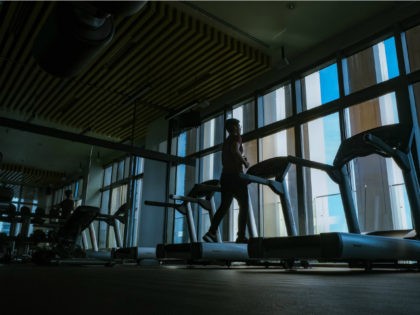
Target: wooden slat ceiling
[(179, 57), (15, 175)]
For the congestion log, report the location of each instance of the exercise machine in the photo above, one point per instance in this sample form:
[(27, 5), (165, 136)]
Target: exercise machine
[(196, 251), (138, 253), (392, 141), (64, 243)]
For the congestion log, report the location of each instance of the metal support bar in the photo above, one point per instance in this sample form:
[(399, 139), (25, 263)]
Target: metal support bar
[(287, 211), (84, 240), (252, 227), (190, 223), (184, 198), (413, 192), (117, 232), (61, 134), (399, 157), (348, 201), (93, 239)]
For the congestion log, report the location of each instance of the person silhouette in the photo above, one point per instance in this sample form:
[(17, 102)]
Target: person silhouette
[(67, 205), (232, 185)]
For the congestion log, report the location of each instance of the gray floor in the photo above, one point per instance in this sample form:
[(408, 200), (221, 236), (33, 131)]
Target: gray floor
[(29, 289)]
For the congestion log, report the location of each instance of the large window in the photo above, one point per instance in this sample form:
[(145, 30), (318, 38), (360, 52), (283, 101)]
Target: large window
[(245, 113), (279, 144), (371, 114), (118, 178), (412, 49), (416, 90), (212, 132), (377, 182), (210, 168), (185, 179), (275, 105), (370, 66), (321, 139), (320, 87), (279, 129)]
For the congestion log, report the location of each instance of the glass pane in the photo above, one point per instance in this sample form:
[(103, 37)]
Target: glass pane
[(127, 167), (416, 90), (103, 227), (107, 176), (210, 168), (320, 87), (370, 66), (321, 140), (119, 197), (275, 145), (378, 183), (185, 180), (275, 105), (245, 113), (139, 165), (212, 132), (180, 227), (187, 142), (120, 170), (413, 48), (137, 206), (114, 172), (371, 114)]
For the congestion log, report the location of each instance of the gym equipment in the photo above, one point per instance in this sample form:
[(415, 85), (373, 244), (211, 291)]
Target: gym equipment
[(195, 251), (183, 251), (65, 240), (124, 253), (276, 168), (392, 141), (114, 220)]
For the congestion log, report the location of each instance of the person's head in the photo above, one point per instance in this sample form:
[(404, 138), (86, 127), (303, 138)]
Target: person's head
[(68, 193), (233, 125)]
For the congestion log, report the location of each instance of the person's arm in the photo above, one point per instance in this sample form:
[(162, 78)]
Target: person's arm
[(238, 155)]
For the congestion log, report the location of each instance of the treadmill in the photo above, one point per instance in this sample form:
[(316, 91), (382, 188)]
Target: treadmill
[(392, 141), (195, 251), (137, 253)]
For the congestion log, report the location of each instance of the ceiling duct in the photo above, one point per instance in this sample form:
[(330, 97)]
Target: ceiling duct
[(76, 32)]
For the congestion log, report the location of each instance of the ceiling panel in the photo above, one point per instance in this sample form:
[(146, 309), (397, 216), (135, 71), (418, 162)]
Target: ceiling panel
[(161, 52)]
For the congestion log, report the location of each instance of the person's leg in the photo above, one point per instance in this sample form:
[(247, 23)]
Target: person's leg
[(227, 197), (241, 195)]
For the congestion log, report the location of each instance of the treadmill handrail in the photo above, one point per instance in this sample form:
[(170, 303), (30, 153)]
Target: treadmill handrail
[(388, 150), (184, 198), (161, 204), (212, 188), (308, 163), (273, 184), (331, 170)]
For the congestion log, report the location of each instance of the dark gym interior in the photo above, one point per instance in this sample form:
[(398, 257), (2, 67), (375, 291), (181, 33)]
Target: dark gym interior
[(114, 119)]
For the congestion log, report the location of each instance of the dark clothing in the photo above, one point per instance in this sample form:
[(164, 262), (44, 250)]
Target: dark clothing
[(67, 207), (230, 161), (232, 186)]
